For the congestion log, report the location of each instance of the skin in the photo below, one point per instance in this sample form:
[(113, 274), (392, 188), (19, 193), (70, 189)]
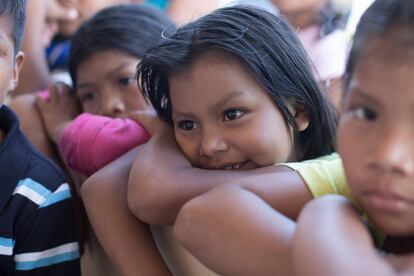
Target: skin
[(299, 13), (127, 241), (86, 9), (206, 134), (380, 171), (41, 25), (183, 11), (219, 126), (380, 168), (106, 85), (32, 125), (116, 96), (10, 62), (165, 180), (45, 19)]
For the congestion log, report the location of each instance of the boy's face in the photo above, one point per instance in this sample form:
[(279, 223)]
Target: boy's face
[(376, 134), (10, 63)]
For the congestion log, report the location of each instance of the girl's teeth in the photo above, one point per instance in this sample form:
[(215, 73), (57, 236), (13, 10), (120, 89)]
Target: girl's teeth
[(232, 167)]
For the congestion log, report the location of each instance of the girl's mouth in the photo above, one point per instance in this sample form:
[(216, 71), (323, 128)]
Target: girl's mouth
[(234, 166)]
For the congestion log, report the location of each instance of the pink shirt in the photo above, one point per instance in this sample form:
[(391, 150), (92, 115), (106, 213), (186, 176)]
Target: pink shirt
[(92, 141)]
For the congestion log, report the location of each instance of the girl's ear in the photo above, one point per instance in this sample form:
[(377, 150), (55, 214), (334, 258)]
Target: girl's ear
[(301, 115)]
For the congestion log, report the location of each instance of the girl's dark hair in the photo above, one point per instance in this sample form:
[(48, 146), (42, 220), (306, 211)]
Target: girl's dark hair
[(130, 29), (271, 51), (382, 18)]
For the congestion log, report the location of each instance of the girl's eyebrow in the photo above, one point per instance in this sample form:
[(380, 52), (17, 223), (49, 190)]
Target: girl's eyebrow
[(84, 85), (226, 99), (215, 106), (359, 93), (121, 66)]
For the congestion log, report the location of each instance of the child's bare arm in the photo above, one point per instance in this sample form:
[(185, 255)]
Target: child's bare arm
[(126, 240), (58, 108), (235, 232), (162, 180), (32, 125), (332, 240)]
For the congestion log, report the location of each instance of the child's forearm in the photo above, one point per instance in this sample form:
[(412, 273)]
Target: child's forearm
[(126, 240), (234, 232), (332, 240), (162, 180)]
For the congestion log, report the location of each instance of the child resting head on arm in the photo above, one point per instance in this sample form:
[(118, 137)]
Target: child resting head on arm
[(239, 97), (375, 142)]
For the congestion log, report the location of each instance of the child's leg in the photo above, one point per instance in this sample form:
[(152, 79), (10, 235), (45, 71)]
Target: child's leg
[(235, 232), (126, 240)]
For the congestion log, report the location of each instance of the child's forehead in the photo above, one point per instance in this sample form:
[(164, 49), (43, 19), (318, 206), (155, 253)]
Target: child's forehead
[(211, 57), (388, 50)]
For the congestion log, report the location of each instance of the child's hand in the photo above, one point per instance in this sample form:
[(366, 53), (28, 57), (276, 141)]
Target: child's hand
[(149, 119), (58, 107)]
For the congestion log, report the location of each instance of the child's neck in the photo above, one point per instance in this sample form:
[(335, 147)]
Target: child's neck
[(399, 245)]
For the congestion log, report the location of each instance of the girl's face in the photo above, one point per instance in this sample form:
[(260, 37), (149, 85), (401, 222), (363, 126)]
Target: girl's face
[(295, 6), (376, 137), (106, 84), (85, 8), (223, 119)]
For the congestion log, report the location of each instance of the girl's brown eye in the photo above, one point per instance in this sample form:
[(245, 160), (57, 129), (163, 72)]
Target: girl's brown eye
[(187, 125), (126, 81), (232, 114), (365, 114)]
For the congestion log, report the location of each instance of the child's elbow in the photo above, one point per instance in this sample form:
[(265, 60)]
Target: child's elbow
[(94, 192), (144, 202), (195, 222)]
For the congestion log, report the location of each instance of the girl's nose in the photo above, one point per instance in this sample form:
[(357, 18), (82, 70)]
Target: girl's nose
[(393, 153), (212, 143), (112, 106)]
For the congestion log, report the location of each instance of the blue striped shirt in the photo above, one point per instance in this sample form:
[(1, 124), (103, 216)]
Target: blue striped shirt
[(37, 220)]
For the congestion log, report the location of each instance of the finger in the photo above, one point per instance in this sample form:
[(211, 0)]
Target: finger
[(54, 93)]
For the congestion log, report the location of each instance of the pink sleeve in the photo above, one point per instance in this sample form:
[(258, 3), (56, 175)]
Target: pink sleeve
[(92, 141)]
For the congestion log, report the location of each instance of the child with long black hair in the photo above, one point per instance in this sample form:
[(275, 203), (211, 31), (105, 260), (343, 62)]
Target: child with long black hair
[(238, 95)]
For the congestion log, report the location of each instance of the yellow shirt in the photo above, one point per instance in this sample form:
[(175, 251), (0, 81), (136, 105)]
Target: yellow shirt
[(325, 175)]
